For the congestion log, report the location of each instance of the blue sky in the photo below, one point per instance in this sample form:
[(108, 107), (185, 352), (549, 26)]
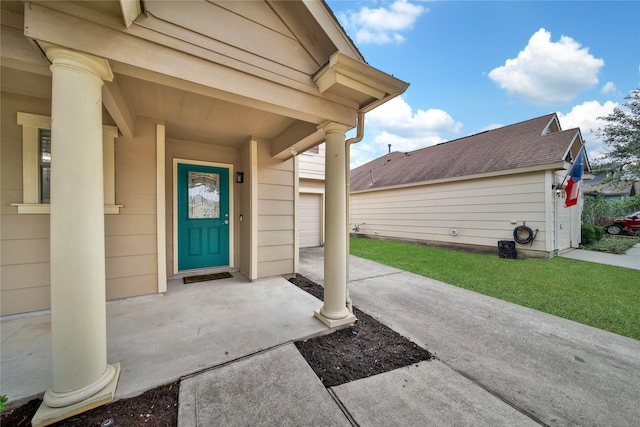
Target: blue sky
[(477, 65)]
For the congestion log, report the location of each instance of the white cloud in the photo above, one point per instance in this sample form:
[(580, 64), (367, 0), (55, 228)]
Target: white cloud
[(382, 25), (397, 124), (585, 116), (609, 87), (548, 73), (397, 116)]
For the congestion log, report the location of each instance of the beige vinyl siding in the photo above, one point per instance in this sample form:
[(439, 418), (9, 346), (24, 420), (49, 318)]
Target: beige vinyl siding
[(257, 29), (24, 272), (479, 210), (24, 239), (130, 237), (311, 171), (276, 214), (311, 166), (195, 151)]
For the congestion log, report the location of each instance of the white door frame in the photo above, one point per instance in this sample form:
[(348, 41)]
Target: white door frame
[(175, 207)]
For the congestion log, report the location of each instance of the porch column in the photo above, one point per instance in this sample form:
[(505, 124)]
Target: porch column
[(334, 312), (81, 377)]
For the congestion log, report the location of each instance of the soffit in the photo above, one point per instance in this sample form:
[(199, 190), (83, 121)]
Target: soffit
[(356, 81), (194, 117), (186, 115), (12, 6)]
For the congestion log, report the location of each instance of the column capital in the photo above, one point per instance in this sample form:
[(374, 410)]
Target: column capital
[(334, 127), (72, 59)]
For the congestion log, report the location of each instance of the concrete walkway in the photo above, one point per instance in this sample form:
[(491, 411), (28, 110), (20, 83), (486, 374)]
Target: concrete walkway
[(631, 259), (498, 364), (160, 339), (555, 371), (230, 341)]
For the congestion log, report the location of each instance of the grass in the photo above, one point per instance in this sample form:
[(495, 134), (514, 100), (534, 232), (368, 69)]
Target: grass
[(601, 296)]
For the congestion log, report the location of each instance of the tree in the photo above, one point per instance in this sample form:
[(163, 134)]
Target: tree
[(598, 211), (621, 133)]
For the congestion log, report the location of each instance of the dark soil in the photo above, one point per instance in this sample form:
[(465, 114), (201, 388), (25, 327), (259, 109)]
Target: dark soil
[(157, 407), (366, 349)]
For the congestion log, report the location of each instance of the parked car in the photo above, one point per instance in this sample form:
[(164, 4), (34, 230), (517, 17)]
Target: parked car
[(627, 223)]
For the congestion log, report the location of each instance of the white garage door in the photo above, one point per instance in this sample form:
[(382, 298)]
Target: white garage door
[(310, 208)]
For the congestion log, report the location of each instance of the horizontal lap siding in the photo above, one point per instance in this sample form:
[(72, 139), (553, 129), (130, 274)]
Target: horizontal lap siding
[(276, 214), (24, 239), (247, 33), (311, 166), (479, 210), (130, 237)]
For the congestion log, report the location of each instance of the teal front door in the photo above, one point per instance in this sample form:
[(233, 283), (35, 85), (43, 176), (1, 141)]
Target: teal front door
[(203, 216)]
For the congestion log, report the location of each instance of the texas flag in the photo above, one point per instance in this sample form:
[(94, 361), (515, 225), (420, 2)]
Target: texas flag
[(575, 177)]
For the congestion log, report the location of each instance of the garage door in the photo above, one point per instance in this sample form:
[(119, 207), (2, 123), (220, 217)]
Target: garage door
[(310, 208)]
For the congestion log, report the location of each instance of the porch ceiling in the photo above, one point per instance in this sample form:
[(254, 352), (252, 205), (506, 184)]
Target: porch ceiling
[(194, 117), (187, 115)]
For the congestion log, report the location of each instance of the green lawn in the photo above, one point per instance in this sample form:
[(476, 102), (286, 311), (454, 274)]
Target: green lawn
[(598, 295)]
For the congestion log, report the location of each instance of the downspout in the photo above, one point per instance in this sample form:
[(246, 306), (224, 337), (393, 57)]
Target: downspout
[(348, 142)]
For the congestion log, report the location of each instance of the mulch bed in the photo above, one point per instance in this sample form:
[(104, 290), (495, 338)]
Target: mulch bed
[(157, 407), (368, 348)]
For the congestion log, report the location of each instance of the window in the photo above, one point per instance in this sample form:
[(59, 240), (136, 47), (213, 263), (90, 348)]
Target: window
[(37, 161), (44, 139), (204, 195)]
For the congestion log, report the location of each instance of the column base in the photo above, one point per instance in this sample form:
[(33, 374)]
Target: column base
[(47, 415), (334, 323)]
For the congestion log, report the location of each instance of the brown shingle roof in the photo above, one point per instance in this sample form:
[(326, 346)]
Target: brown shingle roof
[(511, 147)]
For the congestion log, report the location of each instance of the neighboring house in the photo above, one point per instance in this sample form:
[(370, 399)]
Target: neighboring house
[(473, 192), (608, 190), (113, 112), (311, 197)]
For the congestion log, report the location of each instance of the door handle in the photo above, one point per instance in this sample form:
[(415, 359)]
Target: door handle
[(226, 221)]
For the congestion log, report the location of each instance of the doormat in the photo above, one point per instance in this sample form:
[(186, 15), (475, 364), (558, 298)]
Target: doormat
[(206, 277)]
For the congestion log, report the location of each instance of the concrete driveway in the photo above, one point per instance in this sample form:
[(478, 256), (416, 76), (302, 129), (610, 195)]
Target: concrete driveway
[(555, 371)]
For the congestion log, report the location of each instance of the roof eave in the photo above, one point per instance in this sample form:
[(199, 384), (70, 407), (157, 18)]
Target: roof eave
[(327, 20), (537, 168), (347, 77)]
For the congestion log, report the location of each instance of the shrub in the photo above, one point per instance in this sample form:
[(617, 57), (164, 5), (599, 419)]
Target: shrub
[(599, 232), (588, 234), (612, 245)]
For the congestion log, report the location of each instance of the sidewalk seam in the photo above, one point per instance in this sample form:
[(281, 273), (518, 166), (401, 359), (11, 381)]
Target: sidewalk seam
[(233, 361), (493, 393), (343, 408), (375, 277)]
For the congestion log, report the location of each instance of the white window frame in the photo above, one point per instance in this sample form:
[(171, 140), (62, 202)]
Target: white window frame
[(31, 125)]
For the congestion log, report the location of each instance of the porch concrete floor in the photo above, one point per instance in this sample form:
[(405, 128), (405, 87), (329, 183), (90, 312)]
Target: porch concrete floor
[(160, 338)]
